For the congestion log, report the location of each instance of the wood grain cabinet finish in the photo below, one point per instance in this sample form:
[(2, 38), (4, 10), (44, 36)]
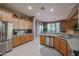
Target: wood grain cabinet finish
[(31, 36), (6, 16), (21, 39), (16, 41), (63, 25), (21, 24), (62, 46), (56, 42), (69, 50), (15, 23), (28, 38), (28, 25), (42, 40)]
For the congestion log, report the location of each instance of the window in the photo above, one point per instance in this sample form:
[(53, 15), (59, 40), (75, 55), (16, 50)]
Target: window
[(53, 27), (57, 28), (41, 28)]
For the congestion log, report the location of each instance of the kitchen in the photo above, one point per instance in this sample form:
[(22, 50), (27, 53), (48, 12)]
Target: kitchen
[(61, 35)]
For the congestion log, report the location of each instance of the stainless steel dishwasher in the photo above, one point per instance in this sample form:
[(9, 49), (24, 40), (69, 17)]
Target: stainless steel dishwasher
[(49, 41)]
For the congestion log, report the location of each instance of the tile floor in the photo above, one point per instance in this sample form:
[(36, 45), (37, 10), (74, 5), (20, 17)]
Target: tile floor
[(33, 48)]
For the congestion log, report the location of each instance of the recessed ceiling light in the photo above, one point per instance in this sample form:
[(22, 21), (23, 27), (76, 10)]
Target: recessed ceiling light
[(38, 14), (29, 7), (51, 10)]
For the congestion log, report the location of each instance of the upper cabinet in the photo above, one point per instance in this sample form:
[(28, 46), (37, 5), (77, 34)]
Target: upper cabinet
[(72, 21), (63, 25), (28, 24), (15, 23), (21, 24), (6, 16)]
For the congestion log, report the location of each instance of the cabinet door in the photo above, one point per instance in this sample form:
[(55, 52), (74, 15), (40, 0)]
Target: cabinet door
[(6, 16), (62, 47), (69, 50), (22, 39), (26, 25), (16, 41), (42, 40), (30, 25), (31, 37), (56, 43), (21, 24), (15, 23), (28, 38)]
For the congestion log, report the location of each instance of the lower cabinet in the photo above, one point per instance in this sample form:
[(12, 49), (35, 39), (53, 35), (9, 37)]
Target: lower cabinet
[(42, 40), (62, 46), (21, 39), (16, 41), (69, 50), (56, 43)]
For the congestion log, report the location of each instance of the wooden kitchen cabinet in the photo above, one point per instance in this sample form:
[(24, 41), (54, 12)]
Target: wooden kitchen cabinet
[(56, 42), (31, 37), (6, 16), (69, 50), (28, 38), (28, 24), (63, 25), (62, 46), (21, 39), (16, 41), (21, 24), (42, 39), (15, 23)]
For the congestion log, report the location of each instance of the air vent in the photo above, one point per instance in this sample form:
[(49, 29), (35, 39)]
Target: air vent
[(42, 8)]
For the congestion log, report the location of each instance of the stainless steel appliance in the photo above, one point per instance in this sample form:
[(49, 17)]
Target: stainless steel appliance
[(49, 41), (6, 31)]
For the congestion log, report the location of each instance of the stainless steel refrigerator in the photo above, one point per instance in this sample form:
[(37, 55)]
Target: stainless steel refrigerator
[(6, 31)]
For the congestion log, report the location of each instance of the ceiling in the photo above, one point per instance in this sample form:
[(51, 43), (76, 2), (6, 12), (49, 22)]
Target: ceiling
[(60, 10)]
